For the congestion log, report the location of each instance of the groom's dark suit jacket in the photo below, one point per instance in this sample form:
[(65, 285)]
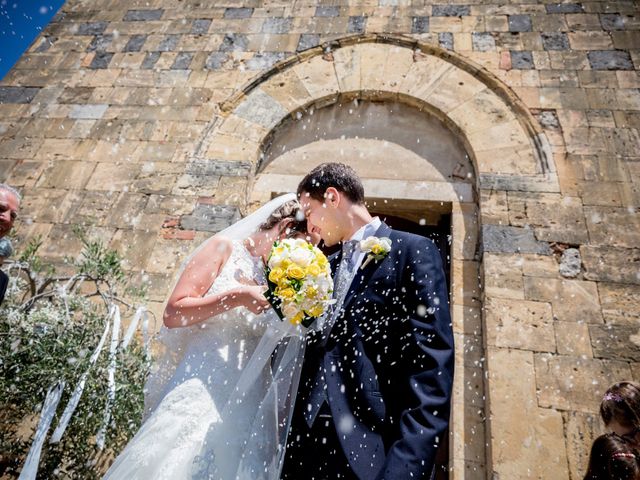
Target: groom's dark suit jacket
[(389, 362)]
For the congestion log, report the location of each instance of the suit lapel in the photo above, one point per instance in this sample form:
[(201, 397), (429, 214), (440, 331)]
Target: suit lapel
[(364, 274)]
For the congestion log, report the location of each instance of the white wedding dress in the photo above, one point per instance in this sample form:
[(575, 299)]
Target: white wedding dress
[(190, 386)]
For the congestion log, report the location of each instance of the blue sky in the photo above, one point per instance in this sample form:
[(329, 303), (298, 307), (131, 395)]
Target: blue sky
[(20, 23)]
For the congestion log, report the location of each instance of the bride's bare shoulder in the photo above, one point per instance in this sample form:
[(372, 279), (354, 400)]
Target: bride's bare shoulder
[(219, 246)]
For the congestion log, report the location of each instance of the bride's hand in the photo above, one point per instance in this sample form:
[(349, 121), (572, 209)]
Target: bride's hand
[(252, 297)]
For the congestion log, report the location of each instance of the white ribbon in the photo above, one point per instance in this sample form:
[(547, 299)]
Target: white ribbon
[(30, 468), (133, 326), (111, 379), (72, 404)]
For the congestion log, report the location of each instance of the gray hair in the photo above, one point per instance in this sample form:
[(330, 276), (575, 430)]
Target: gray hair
[(10, 189)]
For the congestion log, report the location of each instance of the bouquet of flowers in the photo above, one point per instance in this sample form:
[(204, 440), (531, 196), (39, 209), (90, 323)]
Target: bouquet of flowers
[(299, 281)]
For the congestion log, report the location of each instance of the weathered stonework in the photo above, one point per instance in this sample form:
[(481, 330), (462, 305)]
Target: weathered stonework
[(147, 125)]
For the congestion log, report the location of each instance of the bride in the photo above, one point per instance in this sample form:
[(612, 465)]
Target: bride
[(218, 401)]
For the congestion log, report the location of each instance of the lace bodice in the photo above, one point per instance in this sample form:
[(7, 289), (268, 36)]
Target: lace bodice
[(216, 349)]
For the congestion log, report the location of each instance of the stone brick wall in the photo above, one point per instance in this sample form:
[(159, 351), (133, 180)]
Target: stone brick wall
[(138, 120)]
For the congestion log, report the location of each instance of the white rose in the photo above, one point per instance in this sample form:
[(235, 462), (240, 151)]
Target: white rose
[(289, 310), (302, 256), (367, 244)]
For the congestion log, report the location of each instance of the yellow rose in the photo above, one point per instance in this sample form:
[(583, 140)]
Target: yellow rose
[(313, 269), (312, 292), (286, 263), (294, 271), (276, 275), (286, 293), (315, 311), (322, 261), (297, 320)]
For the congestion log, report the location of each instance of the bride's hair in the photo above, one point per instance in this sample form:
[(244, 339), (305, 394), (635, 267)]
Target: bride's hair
[(613, 458), (291, 211)]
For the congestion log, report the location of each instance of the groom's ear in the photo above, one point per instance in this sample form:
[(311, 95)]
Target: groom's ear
[(332, 197)]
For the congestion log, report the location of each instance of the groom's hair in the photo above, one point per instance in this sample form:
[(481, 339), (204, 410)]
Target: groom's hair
[(337, 175)]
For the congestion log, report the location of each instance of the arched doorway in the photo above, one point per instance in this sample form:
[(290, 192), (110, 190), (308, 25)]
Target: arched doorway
[(506, 149)]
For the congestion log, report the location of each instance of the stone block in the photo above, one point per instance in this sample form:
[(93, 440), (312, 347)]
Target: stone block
[(262, 109), (216, 60), (610, 60), (10, 94), (318, 77), (613, 226), (445, 40), (564, 8), (612, 21), (277, 25), (572, 300), (182, 61), (502, 276), (135, 43), (100, 43), (620, 303), (210, 218), (88, 111), (522, 60), (626, 40), (590, 41), (521, 324), (91, 28), (308, 40), (616, 342), (127, 211), (113, 176), (539, 266), (169, 43), (555, 41), (611, 264), (581, 429), (575, 383), (264, 61), (101, 60), (136, 246), (483, 42), (238, 12), (167, 256), (450, 10), (534, 445), (573, 339), (143, 15), (552, 216), (519, 23), (420, 25), (327, 11), (505, 239), (200, 26), (357, 24), (234, 42), (218, 168), (66, 174)]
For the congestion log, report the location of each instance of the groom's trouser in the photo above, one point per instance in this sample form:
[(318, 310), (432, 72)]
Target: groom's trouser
[(315, 453)]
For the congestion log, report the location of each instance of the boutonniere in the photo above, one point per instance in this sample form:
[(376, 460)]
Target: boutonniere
[(376, 248)]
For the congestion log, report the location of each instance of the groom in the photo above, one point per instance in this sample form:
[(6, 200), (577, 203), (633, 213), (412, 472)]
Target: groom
[(375, 390)]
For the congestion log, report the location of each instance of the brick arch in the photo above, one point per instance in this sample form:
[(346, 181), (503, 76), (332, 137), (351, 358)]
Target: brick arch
[(507, 145)]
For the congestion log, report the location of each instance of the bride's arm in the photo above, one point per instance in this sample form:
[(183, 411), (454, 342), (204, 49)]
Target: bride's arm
[(187, 305)]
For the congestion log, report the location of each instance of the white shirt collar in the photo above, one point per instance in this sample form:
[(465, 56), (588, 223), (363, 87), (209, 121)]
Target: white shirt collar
[(367, 230)]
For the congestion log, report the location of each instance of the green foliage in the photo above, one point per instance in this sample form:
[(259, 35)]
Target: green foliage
[(45, 337)]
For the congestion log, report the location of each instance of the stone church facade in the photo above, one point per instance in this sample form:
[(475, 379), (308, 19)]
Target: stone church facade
[(155, 123)]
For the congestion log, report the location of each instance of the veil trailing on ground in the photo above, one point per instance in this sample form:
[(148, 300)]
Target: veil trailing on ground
[(248, 442)]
